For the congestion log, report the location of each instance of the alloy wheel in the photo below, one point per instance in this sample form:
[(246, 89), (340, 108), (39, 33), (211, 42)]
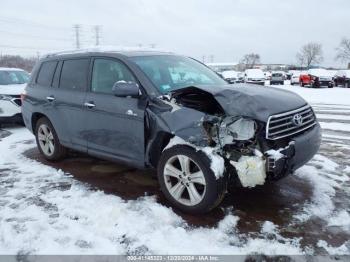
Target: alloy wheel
[(184, 180), (46, 140)]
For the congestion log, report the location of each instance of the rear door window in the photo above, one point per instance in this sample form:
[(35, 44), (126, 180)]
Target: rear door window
[(74, 74), (46, 72)]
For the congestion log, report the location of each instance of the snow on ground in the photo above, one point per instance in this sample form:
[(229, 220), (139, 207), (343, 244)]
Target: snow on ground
[(45, 211), (330, 96)]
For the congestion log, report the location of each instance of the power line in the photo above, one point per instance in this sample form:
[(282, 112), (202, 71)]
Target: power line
[(35, 36), (26, 47), (16, 21)]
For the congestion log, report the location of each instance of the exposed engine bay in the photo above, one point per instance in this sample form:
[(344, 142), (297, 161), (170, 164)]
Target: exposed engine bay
[(234, 138)]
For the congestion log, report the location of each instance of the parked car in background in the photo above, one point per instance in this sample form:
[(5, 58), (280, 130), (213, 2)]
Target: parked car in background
[(288, 75), (304, 79), (12, 84), (232, 76), (170, 113), (342, 78), (277, 78), (254, 76), (267, 75), (295, 78), (320, 77), (332, 73)]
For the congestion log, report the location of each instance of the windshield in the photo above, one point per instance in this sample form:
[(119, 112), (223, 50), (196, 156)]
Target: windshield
[(13, 77), (168, 72)]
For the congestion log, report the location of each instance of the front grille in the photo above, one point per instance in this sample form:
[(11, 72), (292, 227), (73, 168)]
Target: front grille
[(282, 125), (16, 99)]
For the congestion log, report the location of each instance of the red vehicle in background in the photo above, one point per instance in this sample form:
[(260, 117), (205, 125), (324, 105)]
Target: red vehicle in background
[(304, 79), (317, 77)]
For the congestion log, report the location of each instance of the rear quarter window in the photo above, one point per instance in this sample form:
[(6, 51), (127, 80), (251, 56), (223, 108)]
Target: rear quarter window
[(74, 74), (46, 72)]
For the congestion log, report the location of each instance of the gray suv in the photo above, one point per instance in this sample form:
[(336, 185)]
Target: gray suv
[(170, 113), (277, 79)]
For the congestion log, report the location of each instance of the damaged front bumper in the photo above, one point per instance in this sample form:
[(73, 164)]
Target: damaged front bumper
[(275, 164), (299, 151)]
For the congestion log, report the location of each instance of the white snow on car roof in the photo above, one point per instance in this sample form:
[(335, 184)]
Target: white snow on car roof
[(222, 64), (319, 72), (255, 72), (10, 69), (229, 73), (113, 49), (343, 73)]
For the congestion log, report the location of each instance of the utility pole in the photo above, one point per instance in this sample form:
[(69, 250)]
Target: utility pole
[(97, 30), (77, 29), (211, 58)]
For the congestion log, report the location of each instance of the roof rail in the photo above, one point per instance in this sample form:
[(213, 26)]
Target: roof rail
[(113, 49)]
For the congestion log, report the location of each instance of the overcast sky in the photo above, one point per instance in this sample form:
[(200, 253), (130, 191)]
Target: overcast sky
[(226, 29)]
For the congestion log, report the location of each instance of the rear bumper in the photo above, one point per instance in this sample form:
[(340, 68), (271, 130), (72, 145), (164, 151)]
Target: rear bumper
[(299, 151), (256, 82), (276, 82), (323, 83)]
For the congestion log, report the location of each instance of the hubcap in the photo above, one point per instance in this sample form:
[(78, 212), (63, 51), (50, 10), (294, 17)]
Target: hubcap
[(184, 180), (46, 140)]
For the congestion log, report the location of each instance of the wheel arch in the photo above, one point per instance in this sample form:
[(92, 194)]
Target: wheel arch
[(156, 147), (35, 118)]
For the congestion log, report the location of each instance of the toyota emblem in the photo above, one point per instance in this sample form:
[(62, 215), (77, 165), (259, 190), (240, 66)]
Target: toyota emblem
[(297, 119)]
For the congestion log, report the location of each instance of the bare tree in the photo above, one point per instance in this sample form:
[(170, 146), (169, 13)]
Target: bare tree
[(17, 61), (343, 50), (310, 53), (250, 60)]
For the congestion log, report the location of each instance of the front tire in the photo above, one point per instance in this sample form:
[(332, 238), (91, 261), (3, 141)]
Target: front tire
[(187, 181), (47, 140)]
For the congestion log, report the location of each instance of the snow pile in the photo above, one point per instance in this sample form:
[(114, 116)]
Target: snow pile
[(341, 250), (321, 204), (325, 183), (217, 164), (44, 211), (341, 219)]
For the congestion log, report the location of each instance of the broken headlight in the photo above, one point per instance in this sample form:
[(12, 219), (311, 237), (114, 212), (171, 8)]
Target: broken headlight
[(233, 129)]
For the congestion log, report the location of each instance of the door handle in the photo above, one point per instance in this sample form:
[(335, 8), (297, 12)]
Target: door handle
[(89, 104), (50, 98)]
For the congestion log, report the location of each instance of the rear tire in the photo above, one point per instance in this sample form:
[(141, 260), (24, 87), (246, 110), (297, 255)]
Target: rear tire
[(47, 140), (346, 85), (187, 181)]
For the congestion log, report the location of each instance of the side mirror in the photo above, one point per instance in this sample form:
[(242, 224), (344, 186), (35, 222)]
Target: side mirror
[(125, 89)]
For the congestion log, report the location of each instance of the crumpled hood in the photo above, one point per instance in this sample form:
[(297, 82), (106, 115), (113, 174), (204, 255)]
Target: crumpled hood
[(12, 89), (253, 101)]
